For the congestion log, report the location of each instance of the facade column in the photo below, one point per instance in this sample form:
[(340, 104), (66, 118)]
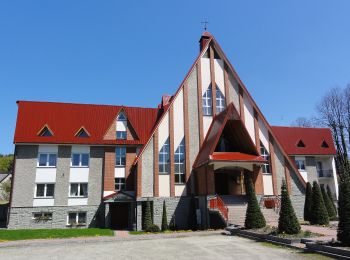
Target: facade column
[(155, 165), (258, 178), (273, 164), (171, 136), (241, 103), (200, 103), (189, 187)]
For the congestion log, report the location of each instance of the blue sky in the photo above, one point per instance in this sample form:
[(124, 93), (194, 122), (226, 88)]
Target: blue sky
[(288, 53)]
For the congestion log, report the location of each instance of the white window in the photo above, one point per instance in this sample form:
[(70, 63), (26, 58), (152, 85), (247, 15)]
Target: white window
[(121, 126), (45, 190), (179, 161), (220, 101), (47, 160), (76, 218), (80, 159), (265, 168), (120, 156), (164, 158), (119, 184), (42, 216), (300, 164), (78, 190), (207, 102)]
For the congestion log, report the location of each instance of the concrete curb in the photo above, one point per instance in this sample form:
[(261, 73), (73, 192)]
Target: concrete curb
[(105, 239), (337, 252)]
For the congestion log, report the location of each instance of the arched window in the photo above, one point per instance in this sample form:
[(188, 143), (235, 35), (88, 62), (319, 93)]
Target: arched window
[(207, 102)]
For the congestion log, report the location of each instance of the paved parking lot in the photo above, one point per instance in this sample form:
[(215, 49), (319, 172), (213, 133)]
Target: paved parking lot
[(195, 247)]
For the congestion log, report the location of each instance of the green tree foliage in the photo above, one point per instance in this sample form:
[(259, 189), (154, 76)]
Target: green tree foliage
[(164, 218), (288, 221), (328, 204), (344, 212), (6, 163), (192, 216), (254, 217), (5, 191), (319, 211), (148, 216), (329, 193), (308, 202)]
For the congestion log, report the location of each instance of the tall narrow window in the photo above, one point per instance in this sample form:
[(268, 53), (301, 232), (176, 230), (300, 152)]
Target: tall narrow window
[(120, 156), (265, 154), (164, 158), (179, 160), (121, 126), (207, 102), (119, 184), (220, 101)]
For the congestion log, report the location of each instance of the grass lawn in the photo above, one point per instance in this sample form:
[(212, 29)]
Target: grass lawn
[(23, 234)]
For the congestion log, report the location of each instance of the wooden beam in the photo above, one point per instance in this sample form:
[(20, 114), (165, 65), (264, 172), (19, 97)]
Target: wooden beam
[(212, 77)]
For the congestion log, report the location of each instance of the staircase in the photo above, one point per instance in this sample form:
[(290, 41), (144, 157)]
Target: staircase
[(237, 207)]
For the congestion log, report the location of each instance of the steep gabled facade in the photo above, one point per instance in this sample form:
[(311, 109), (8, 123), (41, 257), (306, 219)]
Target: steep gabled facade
[(98, 165)]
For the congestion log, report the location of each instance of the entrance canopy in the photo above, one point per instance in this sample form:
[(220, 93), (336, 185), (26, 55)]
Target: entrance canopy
[(235, 160), (120, 196)]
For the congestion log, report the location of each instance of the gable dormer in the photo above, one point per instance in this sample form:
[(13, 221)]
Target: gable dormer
[(324, 144), (300, 144), (121, 128), (82, 132), (45, 131)]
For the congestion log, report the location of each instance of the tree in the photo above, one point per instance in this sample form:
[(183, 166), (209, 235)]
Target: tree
[(192, 215), (319, 211), (308, 202), (148, 216), (254, 217), (164, 218), (303, 122), (343, 234), (328, 203), (6, 163), (287, 222), (329, 193), (5, 190)]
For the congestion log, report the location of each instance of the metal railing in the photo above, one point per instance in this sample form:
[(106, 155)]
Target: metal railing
[(216, 203), (325, 173)]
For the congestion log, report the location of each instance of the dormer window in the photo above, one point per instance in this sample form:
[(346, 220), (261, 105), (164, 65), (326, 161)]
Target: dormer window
[(122, 123), (300, 144), (324, 144), (45, 131), (82, 133)]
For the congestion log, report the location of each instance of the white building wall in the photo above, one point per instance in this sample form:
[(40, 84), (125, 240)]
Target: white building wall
[(163, 131), (268, 187), (164, 185), (206, 81), (264, 135), (180, 190), (335, 178), (45, 175), (219, 75), (43, 202), (249, 117), (178, 108)]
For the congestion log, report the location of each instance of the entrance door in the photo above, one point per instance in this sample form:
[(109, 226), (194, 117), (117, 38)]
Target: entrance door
[(119, 215), (221, 183)]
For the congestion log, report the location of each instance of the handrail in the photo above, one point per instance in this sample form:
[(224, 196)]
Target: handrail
[(217, 203)]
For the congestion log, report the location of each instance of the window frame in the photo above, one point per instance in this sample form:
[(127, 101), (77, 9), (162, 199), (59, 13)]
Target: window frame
[(42, 216), (120, 184), (119, 157), (45, 191), (265, 168), (123, 137), (77, 218), (164, 154), (80, 160), (207, 102), (297, 162), (220, 101), (47, 164), (180, 162), (79, 190)]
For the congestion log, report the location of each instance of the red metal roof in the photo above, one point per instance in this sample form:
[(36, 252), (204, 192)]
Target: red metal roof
[(65, 119), (312, 138), (235, 156)]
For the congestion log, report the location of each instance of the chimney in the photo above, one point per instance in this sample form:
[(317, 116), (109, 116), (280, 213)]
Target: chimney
[(204, 39)]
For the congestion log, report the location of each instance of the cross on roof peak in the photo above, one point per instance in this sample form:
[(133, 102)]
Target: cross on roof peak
[(205, 23)]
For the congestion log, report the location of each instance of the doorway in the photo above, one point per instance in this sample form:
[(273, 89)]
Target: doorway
[(119, 215)]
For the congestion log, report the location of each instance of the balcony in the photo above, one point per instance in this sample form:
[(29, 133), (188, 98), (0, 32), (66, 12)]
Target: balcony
[(325, 173)]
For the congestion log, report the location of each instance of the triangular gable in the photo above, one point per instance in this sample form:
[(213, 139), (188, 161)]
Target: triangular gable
[(300, 144), (45, 131), (324, 144), (216, 130), (111, 131), (82, 132)]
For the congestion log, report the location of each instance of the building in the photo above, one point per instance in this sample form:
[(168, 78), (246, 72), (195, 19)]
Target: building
[(97, 165)]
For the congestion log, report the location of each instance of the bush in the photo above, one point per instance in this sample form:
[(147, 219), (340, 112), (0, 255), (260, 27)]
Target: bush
[(329, 193), (254, 218), (344, 212), (153, 228), (148, 216), (319, 211), (308, 202), (287, 222), (328, 204), (164, 218)]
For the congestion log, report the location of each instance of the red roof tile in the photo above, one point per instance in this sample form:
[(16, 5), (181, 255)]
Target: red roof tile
[(235, 156), (312, 138), (65, 119)]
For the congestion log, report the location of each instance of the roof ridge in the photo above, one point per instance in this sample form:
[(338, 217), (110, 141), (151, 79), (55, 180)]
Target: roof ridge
[(301, 127)]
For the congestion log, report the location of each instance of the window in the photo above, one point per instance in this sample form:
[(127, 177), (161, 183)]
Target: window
[(78, 190), (120, 155), (119, 184), (82, 133), (301, 144), (265, 154), (45, 190), (164, 158), (179, 161), (42, 215), (76, 218), (324, 144), (47, 160), (80, 159), (207, 102), (300, 164), (121, 126), (220, 101), (45, 132)]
